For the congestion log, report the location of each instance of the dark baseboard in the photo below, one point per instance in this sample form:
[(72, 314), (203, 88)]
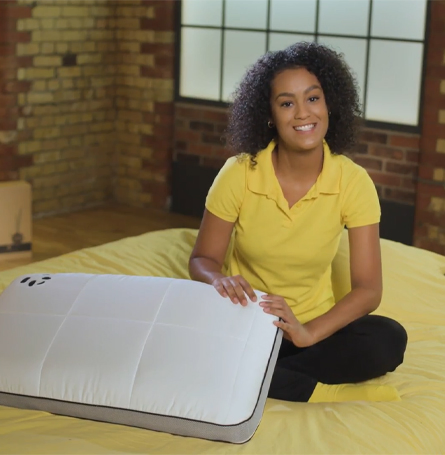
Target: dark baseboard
[(191, 182)]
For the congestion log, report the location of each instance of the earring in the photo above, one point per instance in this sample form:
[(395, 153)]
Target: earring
[(329, 113), (270, 124)]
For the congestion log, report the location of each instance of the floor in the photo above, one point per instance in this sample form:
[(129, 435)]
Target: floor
[(56, 235)]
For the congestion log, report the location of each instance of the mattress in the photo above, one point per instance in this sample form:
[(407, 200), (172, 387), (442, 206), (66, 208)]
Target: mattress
[(414, 294), (159, 353)]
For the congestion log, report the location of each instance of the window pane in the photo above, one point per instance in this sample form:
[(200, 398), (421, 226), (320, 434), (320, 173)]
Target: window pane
[(398, 19), (200, 63), (202, 12), (293, 15), (237, 58), (395, 71), (246, 13), (355, 56), (344, 17), (278, 41)]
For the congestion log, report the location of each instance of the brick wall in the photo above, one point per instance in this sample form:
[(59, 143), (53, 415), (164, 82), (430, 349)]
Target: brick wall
[(67, 126), (144, 100), (391, 158), (430, 203), (10, 89), (87, 100)]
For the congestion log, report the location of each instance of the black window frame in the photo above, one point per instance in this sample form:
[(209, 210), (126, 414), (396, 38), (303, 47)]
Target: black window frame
[(414, 129)]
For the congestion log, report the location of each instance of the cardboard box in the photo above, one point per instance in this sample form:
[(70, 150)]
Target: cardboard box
[(15, 220)]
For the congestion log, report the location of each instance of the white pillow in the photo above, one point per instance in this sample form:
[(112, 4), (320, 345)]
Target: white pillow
[(159, 353)]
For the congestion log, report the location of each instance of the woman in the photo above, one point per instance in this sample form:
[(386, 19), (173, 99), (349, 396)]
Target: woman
[(286, 198)]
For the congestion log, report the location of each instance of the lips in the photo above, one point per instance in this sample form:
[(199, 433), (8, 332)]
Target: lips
[(305, 128)]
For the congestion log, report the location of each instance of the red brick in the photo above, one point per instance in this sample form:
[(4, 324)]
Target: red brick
[(369, 163), (165, 119), (164, 108), (24, 135), (181, 145), (164, 61), (202, 149), (433, 159), (431, 190), (221, 117), (438, 71), (190, 113), (8, 124), (15, 162), (213, 139), (158, 49), (201, 126), (25, 62), (411, 142), (400, 168), (161, 73), (17, 37), (7, 49), (163, 149), (148, 117), (408, 197), (17, 87), (148, 141), (7, 100), (163, 131), (9, 74), (8, 112), (8, 150), (435, 54), (15, 12), (409, 183), (426, 172), (428, 144), (385, 179), (7, 176), (159, 191), (189, 136), (436, 130), (372, 136), (386, 152), (161, 23)]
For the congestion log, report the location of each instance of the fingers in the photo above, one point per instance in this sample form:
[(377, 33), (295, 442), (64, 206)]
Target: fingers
[(236, 288), (220, 288), (248, 289)]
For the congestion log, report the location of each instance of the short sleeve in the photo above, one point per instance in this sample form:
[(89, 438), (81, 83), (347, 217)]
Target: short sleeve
[(227, 192), (361, 205)]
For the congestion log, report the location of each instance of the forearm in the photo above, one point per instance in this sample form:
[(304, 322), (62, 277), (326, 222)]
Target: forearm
[(357, 303), (204, 270)]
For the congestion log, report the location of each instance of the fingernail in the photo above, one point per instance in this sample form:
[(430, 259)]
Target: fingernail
[(235, 300), (254, 299)]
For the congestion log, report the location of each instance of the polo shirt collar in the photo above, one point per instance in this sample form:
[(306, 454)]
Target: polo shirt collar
[(262, 180)]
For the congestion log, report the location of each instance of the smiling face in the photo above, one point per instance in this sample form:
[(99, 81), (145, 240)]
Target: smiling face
[(299, 109)]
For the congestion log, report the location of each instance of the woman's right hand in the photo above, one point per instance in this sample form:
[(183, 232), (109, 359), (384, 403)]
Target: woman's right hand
[(234, 287)]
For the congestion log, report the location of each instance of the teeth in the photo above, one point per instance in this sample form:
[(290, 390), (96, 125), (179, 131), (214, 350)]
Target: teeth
[(305, 127)]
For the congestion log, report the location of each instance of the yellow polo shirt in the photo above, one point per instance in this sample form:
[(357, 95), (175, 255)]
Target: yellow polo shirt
[(289, 251)]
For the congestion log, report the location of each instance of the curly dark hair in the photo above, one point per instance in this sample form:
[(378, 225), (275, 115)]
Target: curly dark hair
[(247, 130)]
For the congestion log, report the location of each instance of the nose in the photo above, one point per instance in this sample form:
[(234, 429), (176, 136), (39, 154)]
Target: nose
[(301, 111)]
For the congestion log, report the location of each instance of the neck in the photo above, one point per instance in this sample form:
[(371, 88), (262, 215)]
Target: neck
[(298, 164)]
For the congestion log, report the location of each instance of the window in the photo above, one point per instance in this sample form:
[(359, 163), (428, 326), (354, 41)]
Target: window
[(382, 40)]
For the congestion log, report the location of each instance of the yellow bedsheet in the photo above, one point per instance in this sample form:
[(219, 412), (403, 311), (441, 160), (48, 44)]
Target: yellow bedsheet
[(414, 294)]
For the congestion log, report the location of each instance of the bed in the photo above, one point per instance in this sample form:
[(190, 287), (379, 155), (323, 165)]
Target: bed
[(414, 294)]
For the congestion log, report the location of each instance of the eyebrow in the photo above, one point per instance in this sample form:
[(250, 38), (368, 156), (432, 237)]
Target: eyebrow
[(312, 87)]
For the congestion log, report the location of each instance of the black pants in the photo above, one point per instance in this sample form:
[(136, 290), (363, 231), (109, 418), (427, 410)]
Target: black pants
[(365, 349)]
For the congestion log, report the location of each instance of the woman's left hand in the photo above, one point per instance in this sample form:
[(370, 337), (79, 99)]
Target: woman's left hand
[(293, 330)]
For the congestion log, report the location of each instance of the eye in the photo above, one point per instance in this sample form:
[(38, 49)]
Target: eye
[(286, 104), (313, 98)]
